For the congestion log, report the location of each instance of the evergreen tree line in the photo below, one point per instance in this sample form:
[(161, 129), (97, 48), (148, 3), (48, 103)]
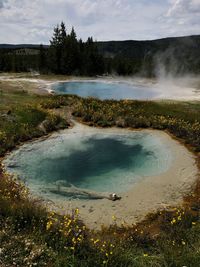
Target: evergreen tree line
[(11, 62), (65, 55), (68, 55)]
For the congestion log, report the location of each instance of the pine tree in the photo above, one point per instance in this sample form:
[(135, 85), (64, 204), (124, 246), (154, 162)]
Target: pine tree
[(74, 55), (63, 32), (70, 56), (95, 62), (55, 51)]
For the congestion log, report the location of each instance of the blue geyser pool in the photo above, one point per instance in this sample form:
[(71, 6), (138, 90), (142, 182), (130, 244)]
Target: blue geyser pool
[(106, 90), (95, 159)]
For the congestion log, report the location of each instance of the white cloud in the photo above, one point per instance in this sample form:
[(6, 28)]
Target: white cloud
[(183, 17), (182, 8), (32, 21), (2, 3)]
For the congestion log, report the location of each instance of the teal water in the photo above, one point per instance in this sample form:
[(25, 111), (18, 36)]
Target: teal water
[(105, 90), (97, 161)]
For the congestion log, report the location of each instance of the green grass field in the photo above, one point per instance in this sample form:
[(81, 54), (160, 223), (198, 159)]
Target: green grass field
[(32, 236)]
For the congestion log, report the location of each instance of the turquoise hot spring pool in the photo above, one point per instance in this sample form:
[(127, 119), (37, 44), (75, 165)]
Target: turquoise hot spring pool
[(93, 159), (106, 90), (133, 88)]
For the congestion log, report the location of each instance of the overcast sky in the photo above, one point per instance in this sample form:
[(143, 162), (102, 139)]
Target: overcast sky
[(32, 21)]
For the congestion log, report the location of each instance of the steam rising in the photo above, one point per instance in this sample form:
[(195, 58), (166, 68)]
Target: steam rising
[(172, 78)]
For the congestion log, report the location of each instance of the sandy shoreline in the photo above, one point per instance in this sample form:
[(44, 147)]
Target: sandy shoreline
[(148, 195)]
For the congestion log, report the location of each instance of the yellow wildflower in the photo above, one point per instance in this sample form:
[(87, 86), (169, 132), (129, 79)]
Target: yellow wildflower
[(49, 224)]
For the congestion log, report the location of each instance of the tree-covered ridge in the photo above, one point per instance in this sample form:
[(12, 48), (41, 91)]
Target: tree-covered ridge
[(69, 55), (176, 56)]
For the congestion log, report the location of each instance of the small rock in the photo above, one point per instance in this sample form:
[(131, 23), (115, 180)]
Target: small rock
[(91, 210)]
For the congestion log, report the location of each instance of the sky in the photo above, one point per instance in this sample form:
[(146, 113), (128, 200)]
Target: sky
[(25, 21)]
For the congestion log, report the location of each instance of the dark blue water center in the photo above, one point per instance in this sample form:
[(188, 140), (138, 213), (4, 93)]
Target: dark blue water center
[(102, 156), (105, 90), (101, 162)]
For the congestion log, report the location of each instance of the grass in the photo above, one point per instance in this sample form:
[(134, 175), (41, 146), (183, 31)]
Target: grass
[(24, 116), (30, 235), (180, 119)]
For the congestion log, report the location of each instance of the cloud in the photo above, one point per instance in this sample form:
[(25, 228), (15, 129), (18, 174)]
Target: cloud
[(182, 8), (32, 21), (183, 17), (2, 3)]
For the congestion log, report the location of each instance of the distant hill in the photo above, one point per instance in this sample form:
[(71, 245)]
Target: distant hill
[(176, 55), (18, 46), (135, 49), (131, 48)]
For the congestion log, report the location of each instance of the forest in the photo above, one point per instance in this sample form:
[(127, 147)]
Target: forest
[(68, 55)]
